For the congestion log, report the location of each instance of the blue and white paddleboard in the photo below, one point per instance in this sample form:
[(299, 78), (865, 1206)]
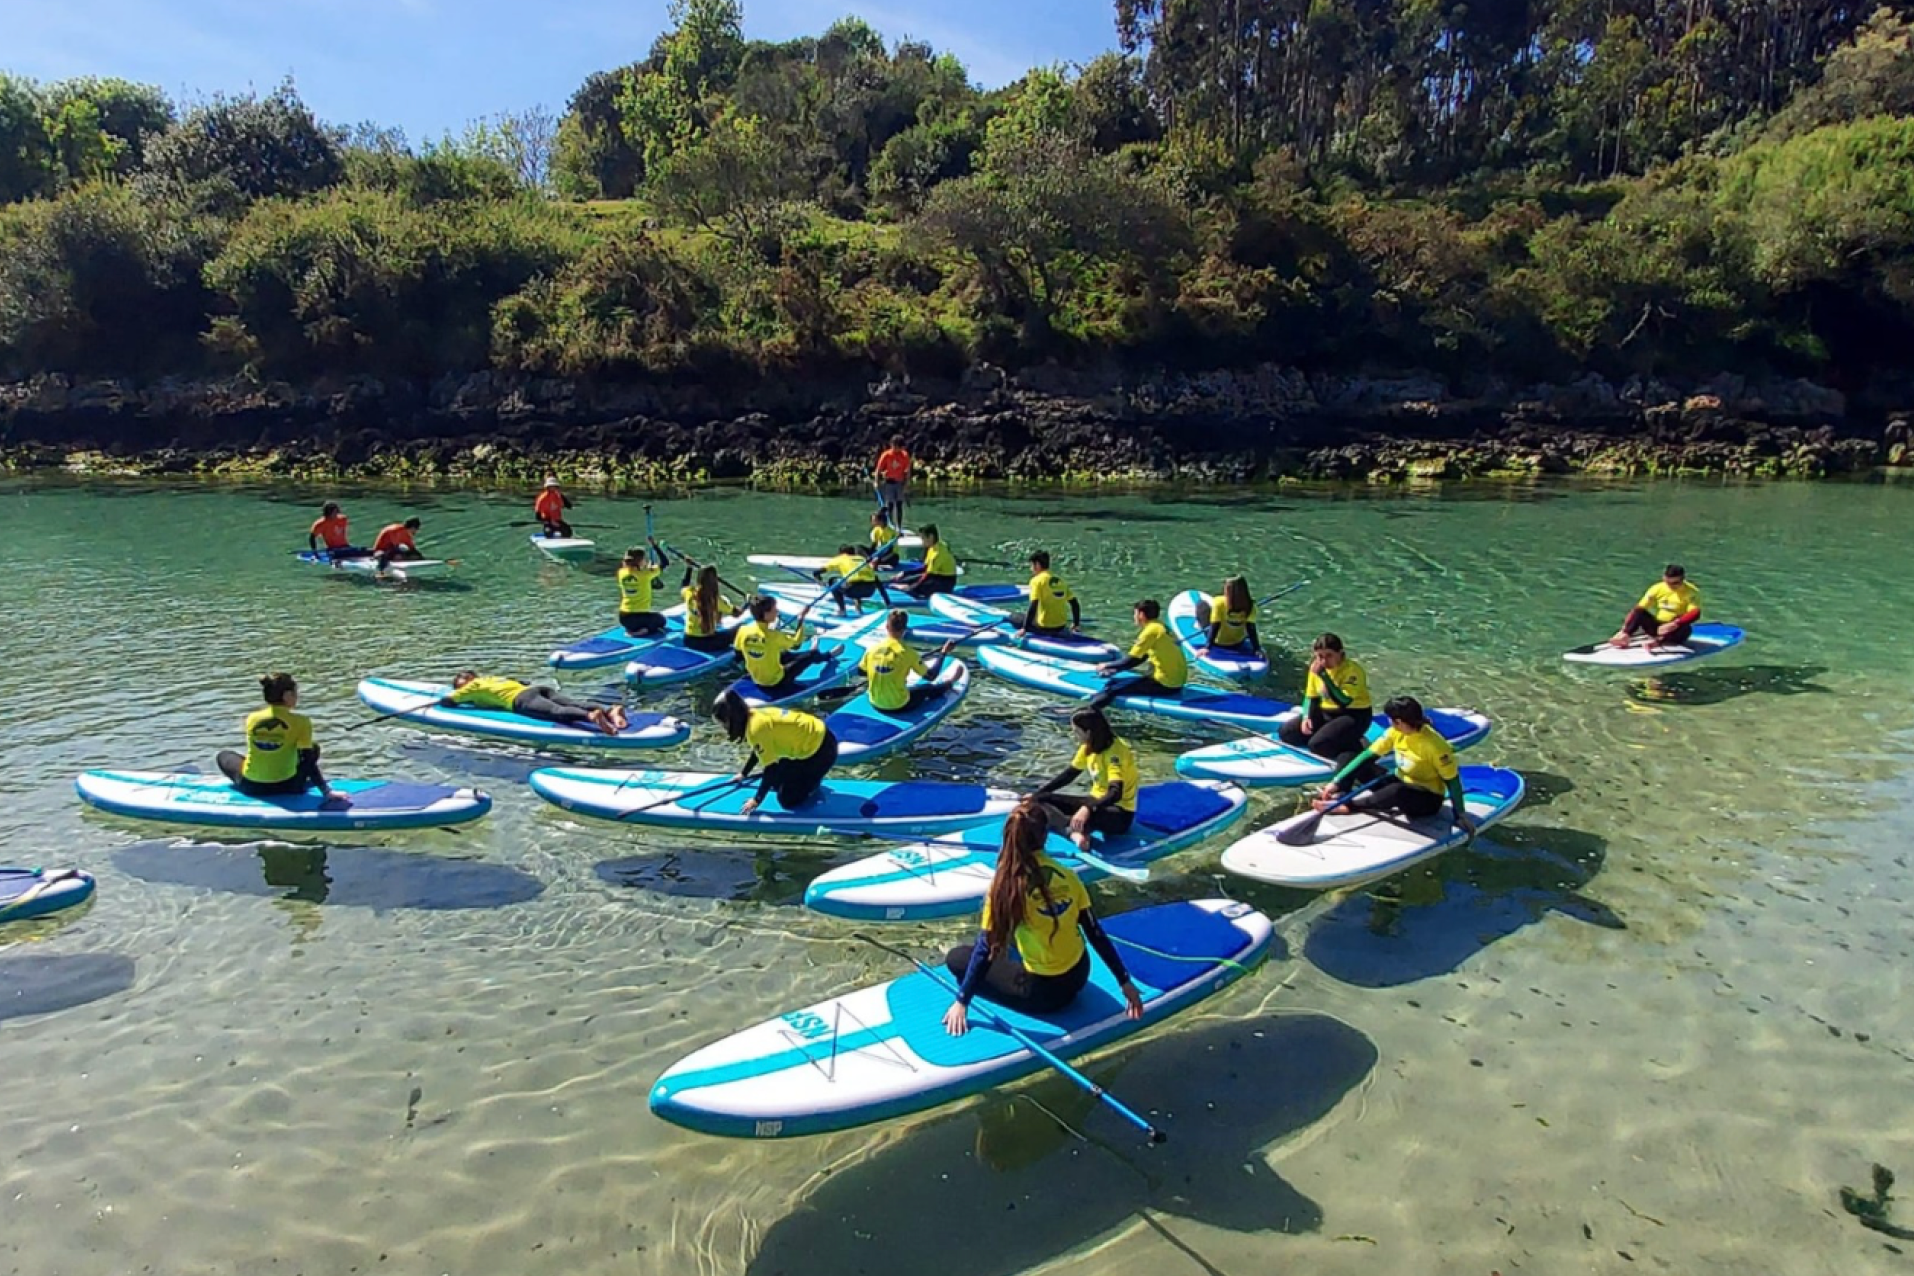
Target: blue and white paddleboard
[(701, 800), (1067, 646), (798, 594), (1081, 681), (924, 630), (1351, 848), (610, 646), (1706, 641), (566, 549), (418, 703), (1237, 662), (882, 1051), (36, 892), (189, 798), (866, 733), (368, 565), (1263, 762), (828, 674), (670, 661), (948, 876)]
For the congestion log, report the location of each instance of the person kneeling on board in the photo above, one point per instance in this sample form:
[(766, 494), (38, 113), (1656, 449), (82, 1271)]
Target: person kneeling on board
[(636, 576), (1053, 608), (397, 543), (939, 573), (1230, 618), (549, 509), (1666, 614), (281, 756), (1337, 709), (769, 653), (795, 749), (855, 579), (884, 539), (469, 691), (706, 610), (1425, 770), (1111, 761), (1169, 669), (889, 665), (1044, 908)]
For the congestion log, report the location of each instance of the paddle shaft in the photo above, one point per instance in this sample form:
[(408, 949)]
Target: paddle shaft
[(46, 883), (400, 712), (729, 782), (1299, 833), (583, 527), (1261, 602), (672, 549), (1029, 1043), (1076, 853)]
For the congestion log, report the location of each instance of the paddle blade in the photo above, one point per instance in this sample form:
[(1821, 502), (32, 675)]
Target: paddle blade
[(1302, 832)]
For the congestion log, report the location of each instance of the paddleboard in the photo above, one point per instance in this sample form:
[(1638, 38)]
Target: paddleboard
[(398, 569), (1706, 641), (925, 630), (866, 733), (1081, 681), (567, 549), (1351, 848), (1262, 762), (948, 876), (185, 797), (418, 703), (882, 1051), (670, 661), (609, 646), (700, 800), (1068, 646), (36, 892), (843, 648), (1236, 662), (794, 593)]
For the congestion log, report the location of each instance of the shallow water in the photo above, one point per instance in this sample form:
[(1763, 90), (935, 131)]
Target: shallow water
[(1655, 1021)]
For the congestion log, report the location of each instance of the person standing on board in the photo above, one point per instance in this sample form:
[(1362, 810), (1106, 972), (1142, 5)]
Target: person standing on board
[(893, 476), (1666, 614), (550, 508), (330, 527), (396, 543)]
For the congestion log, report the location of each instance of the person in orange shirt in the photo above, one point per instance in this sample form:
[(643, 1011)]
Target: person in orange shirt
[(550, 509), (893, 476), (330, 527), (396, 543)]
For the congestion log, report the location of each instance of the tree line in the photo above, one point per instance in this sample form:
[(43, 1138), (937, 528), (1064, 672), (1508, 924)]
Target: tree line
[(1528, 190)]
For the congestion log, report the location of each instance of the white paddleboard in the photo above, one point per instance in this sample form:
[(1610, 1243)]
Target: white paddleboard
[(565, 548), (1266, 762), (418, 703), (1225, 662), (1707, 640)]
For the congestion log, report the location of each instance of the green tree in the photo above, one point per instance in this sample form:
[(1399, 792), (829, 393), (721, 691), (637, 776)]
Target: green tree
[(252, 147), (733, 182), (26, 153)]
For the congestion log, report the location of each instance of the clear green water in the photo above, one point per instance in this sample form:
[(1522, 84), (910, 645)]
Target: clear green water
[(1663, 1011)]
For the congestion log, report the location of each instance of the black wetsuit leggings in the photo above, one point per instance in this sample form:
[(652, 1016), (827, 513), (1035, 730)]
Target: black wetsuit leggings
[(558, 527), (232, 766), (1644, 623), (1111, 821), (795, 663), (1393, 794), (1338, 734), (642, 622), (929, 585), (795, 780), (547, 705), (857, 592), (710, 642), (1145, 686), (1007, 983)]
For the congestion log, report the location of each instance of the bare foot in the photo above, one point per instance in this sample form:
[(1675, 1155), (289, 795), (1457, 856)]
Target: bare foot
[(618, 717), (1082, 840), (602, 720)]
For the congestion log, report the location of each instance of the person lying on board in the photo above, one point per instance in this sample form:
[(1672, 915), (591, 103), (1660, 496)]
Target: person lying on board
[(505, 695)]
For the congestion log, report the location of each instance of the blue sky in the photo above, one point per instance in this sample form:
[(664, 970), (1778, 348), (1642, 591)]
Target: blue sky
[(428, 66)]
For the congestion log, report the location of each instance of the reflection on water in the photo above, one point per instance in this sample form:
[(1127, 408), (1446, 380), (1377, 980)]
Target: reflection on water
[(40, 984), (355, 876)]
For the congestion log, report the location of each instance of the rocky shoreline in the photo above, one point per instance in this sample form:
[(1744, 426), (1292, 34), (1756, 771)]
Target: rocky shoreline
[(1067, 426)]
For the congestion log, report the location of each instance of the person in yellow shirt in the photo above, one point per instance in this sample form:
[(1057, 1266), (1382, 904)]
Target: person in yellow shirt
[(1032, 950), (1053, 608), (706, 609), (1230, 618), (1169, 668), (888, 666), (1337, 709), (1666, 614), (795, 749), (281, 756), (1425, 770), (638, 577), (855, 577), (884, 539), (939, 573), (770, 654), (1111, 763), (507, 695)]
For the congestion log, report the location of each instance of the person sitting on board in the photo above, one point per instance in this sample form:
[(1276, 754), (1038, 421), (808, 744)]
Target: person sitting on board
[(1230, 618), (888, 667), (1425, 770), (939, 572), (636, 576), (397, 543), (549, 509), (770, 655), (795, 749), (893, 476), (1030, 954), (506, 695), (1053, 609), (281, 756), (1169, 669), (706, 610), (1336, 709), (1111, 761), (884, 539), (1666, 614), (330, 527), (856, 580)]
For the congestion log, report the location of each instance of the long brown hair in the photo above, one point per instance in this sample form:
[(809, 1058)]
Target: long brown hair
[(1236, 595), (706, 600), (1018, 874)]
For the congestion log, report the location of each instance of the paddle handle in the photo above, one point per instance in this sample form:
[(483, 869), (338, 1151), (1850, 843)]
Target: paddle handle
[(1029, 1043)]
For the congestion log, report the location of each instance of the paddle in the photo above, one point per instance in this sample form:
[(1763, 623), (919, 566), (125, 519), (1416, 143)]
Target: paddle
[(991, 562), (583, 527), (673, 549), (1303, 831), (46, 883), (1029, 1043), (1083, 857), (720, 786), (399, 712), (650, 535)]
